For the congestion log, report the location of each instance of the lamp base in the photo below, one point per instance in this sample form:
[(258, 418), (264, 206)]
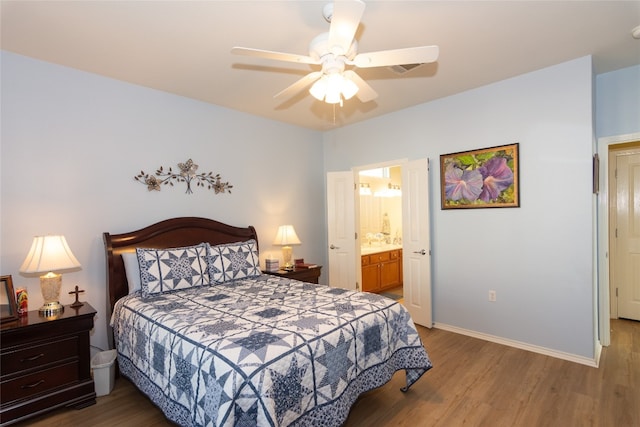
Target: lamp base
[(50, 285), (287, 254), (51, 308)]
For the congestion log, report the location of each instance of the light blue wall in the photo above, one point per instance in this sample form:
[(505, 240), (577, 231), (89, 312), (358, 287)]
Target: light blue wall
[(537, 257), (72, 143), (618, 102)]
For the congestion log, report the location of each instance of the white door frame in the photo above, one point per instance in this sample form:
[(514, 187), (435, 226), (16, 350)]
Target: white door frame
[(602, 238)]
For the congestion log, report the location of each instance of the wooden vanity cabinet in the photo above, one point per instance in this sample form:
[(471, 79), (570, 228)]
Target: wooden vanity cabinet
[(370, 275), (381, 270)]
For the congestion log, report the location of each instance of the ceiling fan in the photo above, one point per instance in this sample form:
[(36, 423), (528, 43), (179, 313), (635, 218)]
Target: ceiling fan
[(337, 49)]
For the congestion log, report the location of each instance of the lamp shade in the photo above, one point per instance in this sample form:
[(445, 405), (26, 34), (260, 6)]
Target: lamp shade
[(49, 254), (286, 236)]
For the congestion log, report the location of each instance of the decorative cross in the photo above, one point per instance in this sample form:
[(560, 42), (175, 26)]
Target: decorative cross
[(77, 303)]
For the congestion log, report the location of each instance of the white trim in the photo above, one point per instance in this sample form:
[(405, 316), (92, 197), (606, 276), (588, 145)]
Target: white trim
[(598, 354), (523, 346), (385, 164)]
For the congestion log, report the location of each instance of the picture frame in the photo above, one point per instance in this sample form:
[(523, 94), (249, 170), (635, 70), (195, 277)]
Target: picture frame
[(482, 178), (596, 173), (8, 303)]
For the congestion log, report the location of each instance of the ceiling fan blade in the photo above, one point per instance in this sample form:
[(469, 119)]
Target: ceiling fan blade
[(300, 85), (278, 56), (365, 92), (411, 55), (344, 23)]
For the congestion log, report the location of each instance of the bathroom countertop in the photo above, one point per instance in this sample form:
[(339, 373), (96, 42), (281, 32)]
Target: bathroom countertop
[(374, 249)]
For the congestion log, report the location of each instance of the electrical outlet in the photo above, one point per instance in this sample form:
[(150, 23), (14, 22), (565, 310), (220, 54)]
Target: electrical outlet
[(492, 296)]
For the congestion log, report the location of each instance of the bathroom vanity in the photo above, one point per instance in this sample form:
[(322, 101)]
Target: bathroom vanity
[(381, 267)]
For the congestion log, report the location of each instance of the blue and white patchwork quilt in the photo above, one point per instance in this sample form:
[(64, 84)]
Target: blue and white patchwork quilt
[(263, 351)]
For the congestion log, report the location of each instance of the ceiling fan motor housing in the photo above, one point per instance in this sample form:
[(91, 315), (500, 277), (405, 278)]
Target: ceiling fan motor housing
[(319, 48)]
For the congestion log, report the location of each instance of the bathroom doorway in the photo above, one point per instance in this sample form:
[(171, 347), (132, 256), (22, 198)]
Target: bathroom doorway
[(380, 230), (344, 239)]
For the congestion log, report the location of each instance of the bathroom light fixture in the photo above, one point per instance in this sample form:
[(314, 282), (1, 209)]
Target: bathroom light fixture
[(365, 189), (635, 33), (49, 254), (392, 190), (286, 237)]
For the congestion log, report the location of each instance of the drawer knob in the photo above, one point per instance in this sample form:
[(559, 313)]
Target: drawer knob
[(36, 384), (32, 358)]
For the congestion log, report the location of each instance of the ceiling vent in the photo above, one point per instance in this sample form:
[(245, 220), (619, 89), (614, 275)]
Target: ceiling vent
[(401, 69)]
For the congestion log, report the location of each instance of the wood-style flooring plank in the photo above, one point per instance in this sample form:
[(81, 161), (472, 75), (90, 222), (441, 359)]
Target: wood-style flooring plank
[(473, 383)]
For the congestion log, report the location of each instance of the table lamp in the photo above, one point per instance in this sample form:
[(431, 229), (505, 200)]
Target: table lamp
[(49, 254), (286, 237)]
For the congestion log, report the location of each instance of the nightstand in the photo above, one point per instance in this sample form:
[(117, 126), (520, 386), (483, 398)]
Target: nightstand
[(45, 363), (310, 275)]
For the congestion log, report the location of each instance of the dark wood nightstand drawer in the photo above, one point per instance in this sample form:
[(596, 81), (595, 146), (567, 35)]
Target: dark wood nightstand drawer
[(46, 363), (310, 275), (13, 362), (39, 382)]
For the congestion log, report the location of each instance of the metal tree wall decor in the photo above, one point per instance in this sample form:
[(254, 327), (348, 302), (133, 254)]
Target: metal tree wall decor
[(186, 174)]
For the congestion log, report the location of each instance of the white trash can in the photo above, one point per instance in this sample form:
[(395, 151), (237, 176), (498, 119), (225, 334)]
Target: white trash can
[(104, 371)]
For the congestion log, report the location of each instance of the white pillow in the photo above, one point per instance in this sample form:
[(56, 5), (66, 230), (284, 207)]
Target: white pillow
[(132, 270)]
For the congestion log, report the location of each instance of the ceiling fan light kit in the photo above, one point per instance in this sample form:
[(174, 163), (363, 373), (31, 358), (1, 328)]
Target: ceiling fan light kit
[(336, 49), (332, 88)]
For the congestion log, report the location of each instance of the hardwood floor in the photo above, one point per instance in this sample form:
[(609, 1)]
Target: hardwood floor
[(473, 383)]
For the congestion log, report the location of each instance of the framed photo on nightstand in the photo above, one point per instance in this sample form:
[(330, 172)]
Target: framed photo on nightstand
[(8, 304)]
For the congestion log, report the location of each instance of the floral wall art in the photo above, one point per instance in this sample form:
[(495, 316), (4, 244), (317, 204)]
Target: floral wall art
[(484, 178), (188, 173)]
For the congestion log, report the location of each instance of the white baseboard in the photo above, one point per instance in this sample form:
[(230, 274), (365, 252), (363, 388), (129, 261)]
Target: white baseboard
[(523, 346)]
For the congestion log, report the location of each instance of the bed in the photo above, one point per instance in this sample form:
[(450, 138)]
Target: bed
[(218, 343)]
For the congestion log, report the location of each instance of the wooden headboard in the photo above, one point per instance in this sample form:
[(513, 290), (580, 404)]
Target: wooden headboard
[(171, 233)]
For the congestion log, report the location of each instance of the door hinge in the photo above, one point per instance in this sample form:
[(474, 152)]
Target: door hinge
[(616, 233), (356, 233), (616, 292)]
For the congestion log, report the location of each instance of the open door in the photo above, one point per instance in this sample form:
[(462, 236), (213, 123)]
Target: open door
[(416, 252), (341, 229), (626, 237)]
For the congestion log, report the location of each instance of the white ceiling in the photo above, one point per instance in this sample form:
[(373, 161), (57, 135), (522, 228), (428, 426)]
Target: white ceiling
[(183, 47)]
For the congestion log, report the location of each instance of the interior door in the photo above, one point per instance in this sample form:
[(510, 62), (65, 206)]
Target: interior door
[(416, 241), (341, 229), (627, 235)]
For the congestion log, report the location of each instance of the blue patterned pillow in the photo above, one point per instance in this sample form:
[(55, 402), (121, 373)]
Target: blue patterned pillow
[(165, 270), (239, 260), (214, 264)]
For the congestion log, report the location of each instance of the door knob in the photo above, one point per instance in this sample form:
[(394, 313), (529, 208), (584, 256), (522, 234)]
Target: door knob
[(334, 247), (422, 252)]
